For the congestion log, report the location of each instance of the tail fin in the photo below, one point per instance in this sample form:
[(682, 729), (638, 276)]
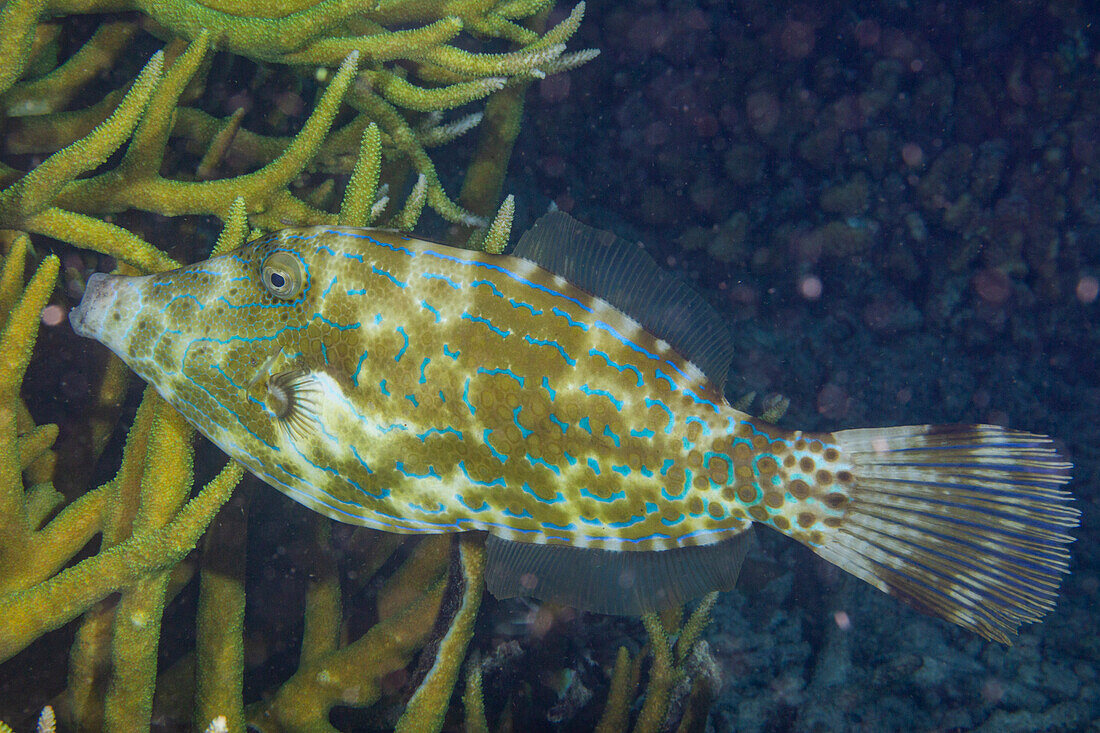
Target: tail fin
[(964, 522)]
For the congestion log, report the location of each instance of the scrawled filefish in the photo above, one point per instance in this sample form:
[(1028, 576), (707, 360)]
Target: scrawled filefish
[(567, 399)]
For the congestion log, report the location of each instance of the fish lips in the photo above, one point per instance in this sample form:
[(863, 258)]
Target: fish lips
[(99, 294)]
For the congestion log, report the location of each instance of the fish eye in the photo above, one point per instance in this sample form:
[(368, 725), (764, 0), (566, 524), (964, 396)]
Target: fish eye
[(283, 274)]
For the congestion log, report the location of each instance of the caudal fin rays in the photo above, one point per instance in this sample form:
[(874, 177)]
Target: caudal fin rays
[(965, 522)]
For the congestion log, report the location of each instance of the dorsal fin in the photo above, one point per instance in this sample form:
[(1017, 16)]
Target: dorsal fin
[(627, 277)]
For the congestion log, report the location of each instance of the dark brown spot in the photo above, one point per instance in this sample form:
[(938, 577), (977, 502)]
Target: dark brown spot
[(701, 482), (805, 519), (800, 444), (728, 493), (760, 443), (816, 537), (788, 462), (781, 523), (774, 499), (695, 460), (831, 454), (715, 510), (799, 489), (767, 466), (844, 477), (758, 513), (833, 521), (746, 494), (806, 464), (836, 501), (823, 477), (695, 505), (742, 453), (815, 447)]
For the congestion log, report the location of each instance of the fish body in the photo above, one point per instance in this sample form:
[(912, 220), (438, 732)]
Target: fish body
[(411, 387)]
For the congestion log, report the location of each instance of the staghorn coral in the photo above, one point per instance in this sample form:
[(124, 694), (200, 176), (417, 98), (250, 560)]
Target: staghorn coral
[(675, 676), (383, 93), (149, 155), (38, 541)]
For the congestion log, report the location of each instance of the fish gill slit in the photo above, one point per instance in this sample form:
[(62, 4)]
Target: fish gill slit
[(264, 370)]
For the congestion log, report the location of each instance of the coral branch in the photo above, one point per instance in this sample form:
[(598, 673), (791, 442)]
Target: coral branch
[(426, 708), (352, 675), (37, 190), (18, 19), (52, 91), (219, 642), (32, 612), (16, 341)]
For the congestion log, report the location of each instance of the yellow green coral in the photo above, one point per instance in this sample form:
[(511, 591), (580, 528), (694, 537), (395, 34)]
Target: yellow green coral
[(383, 93)]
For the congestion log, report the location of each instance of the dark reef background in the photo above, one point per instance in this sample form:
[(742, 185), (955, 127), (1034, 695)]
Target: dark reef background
[(897, 206)]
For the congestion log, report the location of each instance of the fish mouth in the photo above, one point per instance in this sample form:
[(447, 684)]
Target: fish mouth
[(88, 317)]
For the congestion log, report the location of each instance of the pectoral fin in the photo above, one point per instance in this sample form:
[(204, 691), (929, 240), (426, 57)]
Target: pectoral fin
[(294, 397)]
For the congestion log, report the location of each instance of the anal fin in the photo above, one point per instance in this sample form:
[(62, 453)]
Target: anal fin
[(612, 582)]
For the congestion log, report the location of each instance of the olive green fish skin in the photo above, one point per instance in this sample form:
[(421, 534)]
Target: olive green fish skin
[(435, 390)]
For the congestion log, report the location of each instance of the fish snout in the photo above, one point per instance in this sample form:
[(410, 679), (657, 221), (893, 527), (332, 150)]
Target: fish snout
[(87, 318)]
